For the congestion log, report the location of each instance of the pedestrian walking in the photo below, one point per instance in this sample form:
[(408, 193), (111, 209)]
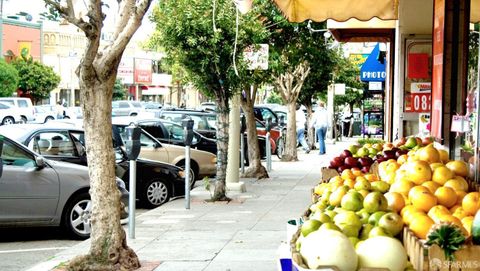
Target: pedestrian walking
[(60, 110), (320, 123), (300, 123)]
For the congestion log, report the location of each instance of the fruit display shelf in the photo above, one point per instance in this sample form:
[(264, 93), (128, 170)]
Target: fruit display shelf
[(425, 258)]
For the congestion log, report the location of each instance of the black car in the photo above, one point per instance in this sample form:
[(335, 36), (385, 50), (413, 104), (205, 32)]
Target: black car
[(204, 122), (156, 182)]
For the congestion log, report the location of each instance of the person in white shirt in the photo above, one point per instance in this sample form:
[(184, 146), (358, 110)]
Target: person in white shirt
[(300, 124), (320, 123)]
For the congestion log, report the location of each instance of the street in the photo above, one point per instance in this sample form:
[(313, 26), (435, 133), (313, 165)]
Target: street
[(20, 248)]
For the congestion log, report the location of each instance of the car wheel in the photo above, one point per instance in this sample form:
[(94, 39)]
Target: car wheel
[(193, 174), (280, 147), (8, 121), (24, 119), (77, 216), (66, 117), (155, 193), (49, 118)]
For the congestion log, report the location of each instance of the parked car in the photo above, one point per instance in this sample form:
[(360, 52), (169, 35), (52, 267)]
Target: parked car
[(202, 163), (35, 191), (24, 105), (9, 114), (44, 114), (204, 122), (208, 106), (156, 182), (127, 108), (73, 112), (262, 113)]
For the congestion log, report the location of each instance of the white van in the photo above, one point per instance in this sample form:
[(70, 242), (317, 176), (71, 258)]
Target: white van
[(25, 107)]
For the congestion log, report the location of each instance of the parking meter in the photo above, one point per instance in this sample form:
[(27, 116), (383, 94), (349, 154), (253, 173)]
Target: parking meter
[(243, 124), (187, 137), (268, 124), (132, 144), (187, 131), (132, 148)]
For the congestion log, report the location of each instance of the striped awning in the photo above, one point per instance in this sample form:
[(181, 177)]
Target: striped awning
[(342, 10)]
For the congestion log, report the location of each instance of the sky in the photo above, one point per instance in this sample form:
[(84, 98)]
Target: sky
[(35, 7)]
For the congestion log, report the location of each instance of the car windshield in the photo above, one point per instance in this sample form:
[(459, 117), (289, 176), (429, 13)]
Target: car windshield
[(137, 104)]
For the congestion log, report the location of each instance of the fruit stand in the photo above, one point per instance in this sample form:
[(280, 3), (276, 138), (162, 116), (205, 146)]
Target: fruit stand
[(391, 206)]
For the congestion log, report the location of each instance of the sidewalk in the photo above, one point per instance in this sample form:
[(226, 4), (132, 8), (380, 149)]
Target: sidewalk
[(244, 234)]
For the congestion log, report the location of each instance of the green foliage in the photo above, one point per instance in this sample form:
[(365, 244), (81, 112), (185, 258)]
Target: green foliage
[(348, 74), (185, 30), (119, 91), (274, 98), (363, 141), (36, 79), (8, 79), (449, 237), (51, 15)]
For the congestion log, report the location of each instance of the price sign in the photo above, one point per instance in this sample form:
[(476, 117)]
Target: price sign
[(420, 102)]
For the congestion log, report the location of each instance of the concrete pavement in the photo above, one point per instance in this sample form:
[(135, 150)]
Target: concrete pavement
[(244, 234)]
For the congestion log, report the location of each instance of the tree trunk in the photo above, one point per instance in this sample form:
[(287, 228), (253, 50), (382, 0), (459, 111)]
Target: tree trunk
[(222, 148), (108, 250), (310, 131), (290, 153), (255, 168)]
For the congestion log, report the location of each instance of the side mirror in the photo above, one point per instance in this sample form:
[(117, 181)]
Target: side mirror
[(40, 162)]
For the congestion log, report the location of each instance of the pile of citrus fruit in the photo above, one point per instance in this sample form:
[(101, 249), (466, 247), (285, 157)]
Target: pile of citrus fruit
[(433, 189)]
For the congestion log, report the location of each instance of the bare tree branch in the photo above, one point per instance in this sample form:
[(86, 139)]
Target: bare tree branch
[(126, 9), (68, 12)]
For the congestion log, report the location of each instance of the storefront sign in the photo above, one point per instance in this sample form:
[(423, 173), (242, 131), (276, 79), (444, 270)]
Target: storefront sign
[(418, 66), (125, 71), (420, 99), (437, 73), (142, 72), (460, 124), (375, 86), (373, 69)]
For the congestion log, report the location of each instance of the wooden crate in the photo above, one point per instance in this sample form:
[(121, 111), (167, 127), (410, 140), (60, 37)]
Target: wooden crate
[(432, 258), (327, 174), (416, 249)]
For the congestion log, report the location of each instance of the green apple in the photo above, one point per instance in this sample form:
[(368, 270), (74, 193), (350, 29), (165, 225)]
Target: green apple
[(335, 198), (325, 196), (353, 148), (351, 230), (375, 217), (347, 218), (392, 222), (362, 185), (378, 231), (362, 152), (411, 142), (375, 201), (364, 215), (372, 151), (380, 186), (365, 231), (309, 226), (330, 213), (329, 226), (321, 216), (352, 201)]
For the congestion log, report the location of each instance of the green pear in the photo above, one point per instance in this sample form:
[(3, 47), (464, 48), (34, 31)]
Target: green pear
[(378, 231), (310, 226), (380, 186), (375, 217), (352, 201), (329, 226), (364, 215)]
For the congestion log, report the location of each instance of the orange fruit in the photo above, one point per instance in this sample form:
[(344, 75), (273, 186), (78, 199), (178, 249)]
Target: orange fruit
[(443, 156), (459, 213), (410, 214), (460, 196), (471, 203), (357, 172), (437, 210), (424, 201), (407, 208), (441, 175), (402, 159), (457, 183), (395, 200), (417, 189), (431, 185), (347, 174), (454, 208), (428, 154), (402, 186), (459, 168), (446, 196), (418, 172), (360, 178), (467, 223), (371, 177), (420, 225), (433, 166)]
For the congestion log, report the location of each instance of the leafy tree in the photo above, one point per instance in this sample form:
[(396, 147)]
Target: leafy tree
[(274, 98), (201, 38), (119, 90), (35, 79), (97, 73), (8, 79)]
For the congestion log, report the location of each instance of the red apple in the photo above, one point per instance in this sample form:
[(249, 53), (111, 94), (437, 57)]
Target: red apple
[(365, 169), (345, 154), (365, 161), (351, 162), (342, 168)]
